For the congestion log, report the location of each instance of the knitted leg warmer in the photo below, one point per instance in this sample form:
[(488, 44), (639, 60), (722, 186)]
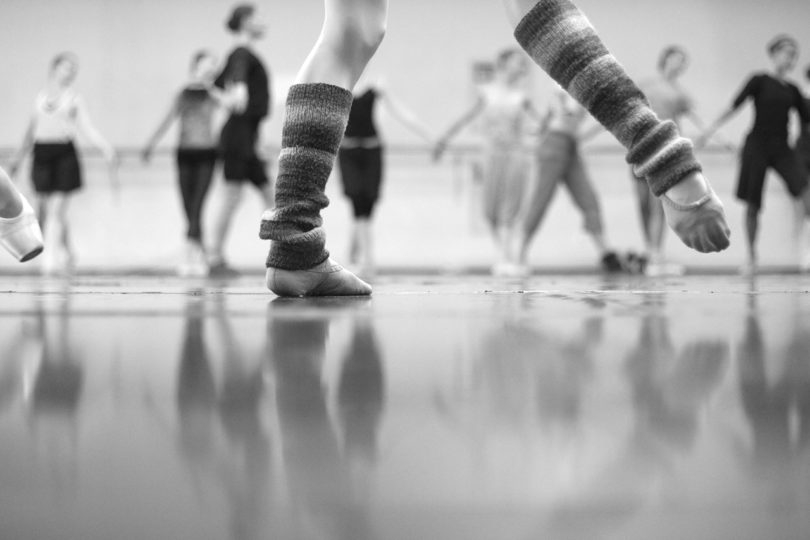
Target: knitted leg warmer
[(315, 119), (562, 41)]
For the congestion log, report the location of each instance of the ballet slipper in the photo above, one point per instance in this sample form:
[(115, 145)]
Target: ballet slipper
[(21, 235), (325, 279), (700, 224)]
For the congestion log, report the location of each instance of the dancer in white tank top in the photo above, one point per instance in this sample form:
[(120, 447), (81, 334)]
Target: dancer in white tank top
[(59, 117)]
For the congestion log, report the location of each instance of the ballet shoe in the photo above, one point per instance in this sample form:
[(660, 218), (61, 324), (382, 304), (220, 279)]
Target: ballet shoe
[(326, 279), (21, 235), (701, 224)]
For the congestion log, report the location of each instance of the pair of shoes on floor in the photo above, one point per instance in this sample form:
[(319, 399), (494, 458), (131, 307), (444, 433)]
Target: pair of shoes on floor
[(611, 263), (21, 235)]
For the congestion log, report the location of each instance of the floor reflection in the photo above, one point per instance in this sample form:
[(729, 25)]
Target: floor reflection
[(617, 413)]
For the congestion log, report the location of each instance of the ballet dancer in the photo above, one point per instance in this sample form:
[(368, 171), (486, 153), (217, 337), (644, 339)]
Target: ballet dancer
[(60, 114), (361, 163), (558, 37), (20, 234), (246, 84), (766, 145), (504, 108), (561, 163), (194, 107)]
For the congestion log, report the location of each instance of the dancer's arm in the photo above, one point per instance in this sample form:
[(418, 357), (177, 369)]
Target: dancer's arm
[(749, 90), (25, 148), (457, 126), (404, 115), (89, 131), (163, 127)]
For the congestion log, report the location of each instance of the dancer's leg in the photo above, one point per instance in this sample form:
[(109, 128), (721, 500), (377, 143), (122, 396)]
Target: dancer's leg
[(554, 161), (231, 198), (751, 232), (20, 234), (316, 113), (561, 40)]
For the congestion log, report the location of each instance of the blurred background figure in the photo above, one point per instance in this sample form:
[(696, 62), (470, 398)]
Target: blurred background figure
[(504, 108), (670, 101), (766, 146), (561, 163), (194, 107), (361, 164), (246, 83), (20, 234), (59, 116)]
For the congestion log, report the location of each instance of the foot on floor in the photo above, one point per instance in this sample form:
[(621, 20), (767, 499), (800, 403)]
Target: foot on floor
[(325, 279)]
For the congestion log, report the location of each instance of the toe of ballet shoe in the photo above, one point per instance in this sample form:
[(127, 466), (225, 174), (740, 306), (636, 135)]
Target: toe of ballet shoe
[(326, 279), (21, 236), (701, 226)]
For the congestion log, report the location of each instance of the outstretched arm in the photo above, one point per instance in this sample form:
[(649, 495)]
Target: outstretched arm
[(457, 126), (89, 131), (158, 134), (404, 115)]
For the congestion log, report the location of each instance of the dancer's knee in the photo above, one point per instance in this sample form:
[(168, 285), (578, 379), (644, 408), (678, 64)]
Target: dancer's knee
[(357, 39)]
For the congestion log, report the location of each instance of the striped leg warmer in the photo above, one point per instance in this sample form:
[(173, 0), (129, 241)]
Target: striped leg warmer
[(314, 122), (562, 41)]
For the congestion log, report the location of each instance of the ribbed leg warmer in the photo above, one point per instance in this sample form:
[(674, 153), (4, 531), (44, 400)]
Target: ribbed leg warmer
[(314, 122), (563, 42)]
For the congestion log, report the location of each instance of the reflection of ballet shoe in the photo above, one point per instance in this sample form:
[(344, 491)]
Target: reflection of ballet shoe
[(21, 235), (701, 225), (326, 279)]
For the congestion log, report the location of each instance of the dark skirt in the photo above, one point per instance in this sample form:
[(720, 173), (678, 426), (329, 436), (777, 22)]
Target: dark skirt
[(56, 168)]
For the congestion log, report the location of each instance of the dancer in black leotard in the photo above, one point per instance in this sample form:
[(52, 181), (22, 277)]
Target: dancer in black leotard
[(361, 164), (766, 145), (246, 84)]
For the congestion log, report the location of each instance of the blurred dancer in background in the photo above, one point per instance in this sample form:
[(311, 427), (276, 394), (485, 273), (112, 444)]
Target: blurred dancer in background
[(19, 231), (361, 163), (194, 107), (246, 83), (504, 108), (766, 145), (557, 37), (670, 101), (561, 163), (60, 115)]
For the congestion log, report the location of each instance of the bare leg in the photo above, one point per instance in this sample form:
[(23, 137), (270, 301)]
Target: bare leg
[(751, 232), (560, 39), (231, 199), (315, 117)]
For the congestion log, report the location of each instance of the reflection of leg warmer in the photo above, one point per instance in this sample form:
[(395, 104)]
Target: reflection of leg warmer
[(562, 41), (316, 116)]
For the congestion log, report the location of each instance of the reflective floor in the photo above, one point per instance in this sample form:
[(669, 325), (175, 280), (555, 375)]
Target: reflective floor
[(442, 408)]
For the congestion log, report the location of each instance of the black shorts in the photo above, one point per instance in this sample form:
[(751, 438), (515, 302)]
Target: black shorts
[(55, 168), (237, 148), (758, 155), (361, 171)]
